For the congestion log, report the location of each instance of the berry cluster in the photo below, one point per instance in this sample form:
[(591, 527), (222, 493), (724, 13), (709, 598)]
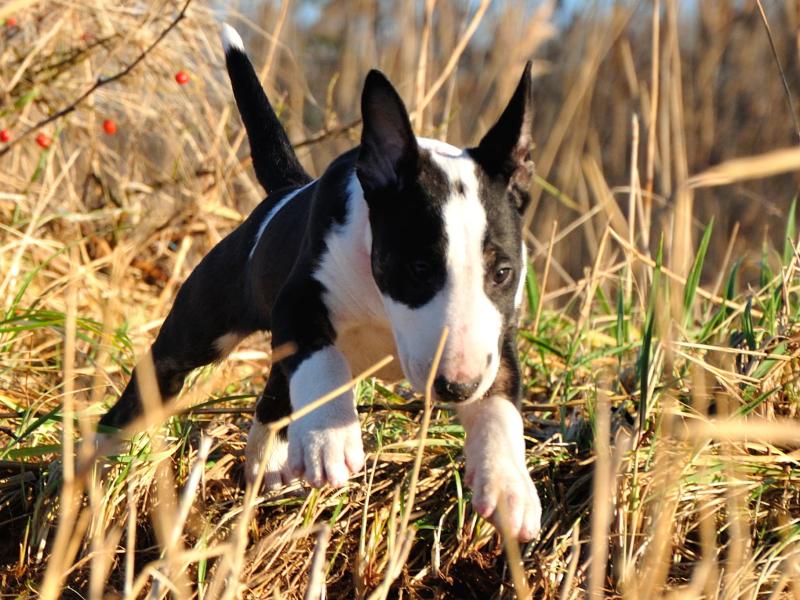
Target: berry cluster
[(109, 125)]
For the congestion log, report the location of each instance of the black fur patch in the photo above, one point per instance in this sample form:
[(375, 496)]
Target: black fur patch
[(409, 243)]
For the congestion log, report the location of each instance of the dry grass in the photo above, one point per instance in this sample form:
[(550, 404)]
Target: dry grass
[(662, 396)]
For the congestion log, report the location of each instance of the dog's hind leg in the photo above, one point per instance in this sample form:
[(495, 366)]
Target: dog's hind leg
[(209, 317), (272, 405)]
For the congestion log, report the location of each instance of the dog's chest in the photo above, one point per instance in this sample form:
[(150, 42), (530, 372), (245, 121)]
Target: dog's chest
[(364, 344), (352, 298)]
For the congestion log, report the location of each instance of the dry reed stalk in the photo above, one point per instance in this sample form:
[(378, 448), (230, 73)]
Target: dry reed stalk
[(316, 578), (64, 544), (568, 587), (511, 548), (768, 164), (593, 282), (681, 239), (547, 263), (130, 543), (706, 573), (165, 511), (452, 61), (665, 495), (602, 504), (652, 117), (632, 194), (597, 49), (422, 65)]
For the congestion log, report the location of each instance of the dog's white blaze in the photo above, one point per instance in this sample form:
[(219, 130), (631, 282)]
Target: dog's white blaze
[(231, 39), (274, 211), (473, 321)]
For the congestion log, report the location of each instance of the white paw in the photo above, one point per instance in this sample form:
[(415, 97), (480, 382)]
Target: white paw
[(495, 451), (325, 446), (276, 473), (504, 490)]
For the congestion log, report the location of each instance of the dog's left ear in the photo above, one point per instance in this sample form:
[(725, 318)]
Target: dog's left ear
[(505, 150), (388, 155)]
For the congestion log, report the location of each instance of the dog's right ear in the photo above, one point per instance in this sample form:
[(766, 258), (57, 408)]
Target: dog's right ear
[(388, 155)]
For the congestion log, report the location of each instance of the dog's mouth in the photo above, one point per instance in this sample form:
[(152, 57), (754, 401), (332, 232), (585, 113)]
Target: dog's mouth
[(443, 391)]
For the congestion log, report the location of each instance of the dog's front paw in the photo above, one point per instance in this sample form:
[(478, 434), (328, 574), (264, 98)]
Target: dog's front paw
[(504, 490), (496, 471), (276, 473), (326, 449)]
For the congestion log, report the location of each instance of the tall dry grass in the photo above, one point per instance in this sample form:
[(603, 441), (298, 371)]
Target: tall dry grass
[(661, 394)]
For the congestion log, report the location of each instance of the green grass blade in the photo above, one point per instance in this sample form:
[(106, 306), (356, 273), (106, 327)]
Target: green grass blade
[(647, 338), (747, 325), (693, 280), (532, 287), (791, 233), (620, 328), (723, 311), (541, 344)]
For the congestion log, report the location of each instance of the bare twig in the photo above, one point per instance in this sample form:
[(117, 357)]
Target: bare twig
[(101, 81), (780, 68)]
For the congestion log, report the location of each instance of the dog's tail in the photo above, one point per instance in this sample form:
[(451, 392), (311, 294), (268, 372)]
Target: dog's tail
[(274, 160)]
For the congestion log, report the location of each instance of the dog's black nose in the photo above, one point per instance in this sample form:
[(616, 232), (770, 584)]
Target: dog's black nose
[(451, 391)]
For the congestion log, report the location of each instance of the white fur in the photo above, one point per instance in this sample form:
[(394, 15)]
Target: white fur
[(276, 474), (363, 332), (227, 342), (441, 148), (325, 445), (274, 211), (474, 323), (345, 269), (231, 39), (496, 469)]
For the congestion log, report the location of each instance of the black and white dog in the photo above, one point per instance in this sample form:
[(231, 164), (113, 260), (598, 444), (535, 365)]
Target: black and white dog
[(398, 239)]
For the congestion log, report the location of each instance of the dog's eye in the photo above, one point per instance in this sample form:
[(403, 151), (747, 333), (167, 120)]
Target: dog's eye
[(421, 269), (501, 275)]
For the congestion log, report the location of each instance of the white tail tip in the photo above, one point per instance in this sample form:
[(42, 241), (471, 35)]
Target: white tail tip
[(231, 40)]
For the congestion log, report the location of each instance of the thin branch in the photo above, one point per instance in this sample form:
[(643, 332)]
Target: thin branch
[(780, 68), (101, 81), (326, 133)]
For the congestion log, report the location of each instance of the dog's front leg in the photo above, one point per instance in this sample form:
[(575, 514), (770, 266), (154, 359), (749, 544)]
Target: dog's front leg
[(325, 445), (496, 469)]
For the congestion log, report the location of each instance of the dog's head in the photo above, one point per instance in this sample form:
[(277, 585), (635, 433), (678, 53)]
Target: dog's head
[(447, 249)]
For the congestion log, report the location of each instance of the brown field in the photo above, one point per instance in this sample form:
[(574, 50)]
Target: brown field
[(660, 352)]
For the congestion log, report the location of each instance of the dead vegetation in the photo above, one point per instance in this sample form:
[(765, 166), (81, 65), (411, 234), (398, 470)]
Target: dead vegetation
[(662, 394)]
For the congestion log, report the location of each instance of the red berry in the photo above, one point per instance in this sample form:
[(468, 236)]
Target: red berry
[(109, 127), (5, 135), (11, 22), (44, 140), (182, 77)]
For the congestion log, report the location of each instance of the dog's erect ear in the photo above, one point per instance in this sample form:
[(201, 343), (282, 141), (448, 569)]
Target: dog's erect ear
[(506, 149), (388, 153)]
